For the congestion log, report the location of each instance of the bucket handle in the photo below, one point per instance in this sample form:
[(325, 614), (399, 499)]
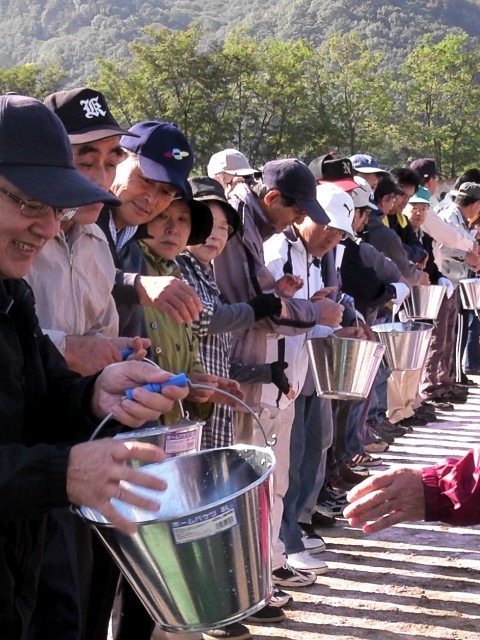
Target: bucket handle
[(182, 376), (268, 443)]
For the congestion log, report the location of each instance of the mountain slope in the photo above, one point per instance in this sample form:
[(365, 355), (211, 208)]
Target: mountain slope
[(75, 32)]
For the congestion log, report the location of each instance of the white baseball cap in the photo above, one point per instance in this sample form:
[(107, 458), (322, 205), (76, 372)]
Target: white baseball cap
[(229, 161), (338, 205), (363, 195)]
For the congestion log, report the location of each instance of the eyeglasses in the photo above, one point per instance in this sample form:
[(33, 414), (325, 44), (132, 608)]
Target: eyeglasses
[(223, 229), (333, 230), (31, 209)]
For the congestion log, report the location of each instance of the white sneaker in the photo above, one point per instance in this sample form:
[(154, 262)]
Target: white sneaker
[(304, 561), (313, 545), (287, 576)]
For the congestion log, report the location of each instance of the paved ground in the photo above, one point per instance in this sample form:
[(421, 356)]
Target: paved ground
[(410, 582)]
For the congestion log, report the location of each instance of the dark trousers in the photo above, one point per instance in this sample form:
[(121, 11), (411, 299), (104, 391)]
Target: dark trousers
[(77, 582), (130, 618)]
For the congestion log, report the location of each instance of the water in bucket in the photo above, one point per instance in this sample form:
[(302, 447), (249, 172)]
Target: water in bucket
[(203, 560)]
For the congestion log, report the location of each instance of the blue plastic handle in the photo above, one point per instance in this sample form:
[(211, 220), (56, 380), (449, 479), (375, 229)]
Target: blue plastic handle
[(179, 380), (126, 352)]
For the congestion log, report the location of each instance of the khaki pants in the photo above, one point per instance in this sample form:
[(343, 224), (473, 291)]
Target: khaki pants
[(403, 394), (276, 423)]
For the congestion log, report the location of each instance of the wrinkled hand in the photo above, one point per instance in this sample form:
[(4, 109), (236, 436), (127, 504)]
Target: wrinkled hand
[(230, 386), (351, 332), (424, 279), (422, 263), (369, 334), (95, 472), (202, 395), (109, 393), (89, 354), (171, 295), (473, 259), (139, 346), (386, 499), (329, 313), (322, 293), (288, 285)]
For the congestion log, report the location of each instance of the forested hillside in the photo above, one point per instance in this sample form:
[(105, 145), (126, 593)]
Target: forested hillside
[(74, 33)]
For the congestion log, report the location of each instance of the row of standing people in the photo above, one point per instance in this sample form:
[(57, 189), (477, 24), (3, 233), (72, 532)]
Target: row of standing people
[(261, 265)]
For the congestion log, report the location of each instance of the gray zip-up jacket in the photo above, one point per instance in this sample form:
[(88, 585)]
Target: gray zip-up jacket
[(241, 274)]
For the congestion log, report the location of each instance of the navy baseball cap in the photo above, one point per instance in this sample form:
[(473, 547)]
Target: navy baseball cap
[(365, 163), (36, 156), (294, 180), (85, 115), (164, 153), (426, 167)]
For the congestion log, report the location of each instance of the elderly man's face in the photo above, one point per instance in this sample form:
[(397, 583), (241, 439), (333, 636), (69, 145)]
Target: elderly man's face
[(142, 198), (21, 238), (97, 161), (318, 238), (281, 215)]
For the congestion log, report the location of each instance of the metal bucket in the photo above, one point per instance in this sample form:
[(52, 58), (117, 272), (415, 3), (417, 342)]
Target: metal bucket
[(423, 303), (203, 560), (470, 293), (176, 440), (344, 368), (406, 343)]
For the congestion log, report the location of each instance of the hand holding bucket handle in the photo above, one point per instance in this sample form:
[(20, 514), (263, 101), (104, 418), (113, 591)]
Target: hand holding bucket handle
[(179, 380)]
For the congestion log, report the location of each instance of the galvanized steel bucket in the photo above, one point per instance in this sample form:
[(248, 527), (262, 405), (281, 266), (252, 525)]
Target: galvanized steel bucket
[(178, 439), (344, 368), (203, 560), (470, 293), (424, 303), (406, 343)]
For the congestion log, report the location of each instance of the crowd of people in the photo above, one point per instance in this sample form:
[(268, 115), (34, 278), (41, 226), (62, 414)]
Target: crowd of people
[(116, 247)]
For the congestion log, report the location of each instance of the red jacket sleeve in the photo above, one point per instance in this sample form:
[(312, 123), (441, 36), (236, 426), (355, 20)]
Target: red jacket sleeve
[(452, 490)]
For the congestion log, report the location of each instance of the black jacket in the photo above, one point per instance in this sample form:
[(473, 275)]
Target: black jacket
[(44, 408), (362, 282)]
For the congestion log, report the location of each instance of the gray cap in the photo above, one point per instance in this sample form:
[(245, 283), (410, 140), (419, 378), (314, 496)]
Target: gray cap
[(469, 190)]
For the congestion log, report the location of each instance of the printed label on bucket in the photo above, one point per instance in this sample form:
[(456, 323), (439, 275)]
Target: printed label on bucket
[(204, 525), (181, 441)]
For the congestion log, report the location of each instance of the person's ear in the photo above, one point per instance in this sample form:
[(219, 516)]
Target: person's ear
[(270, 196)]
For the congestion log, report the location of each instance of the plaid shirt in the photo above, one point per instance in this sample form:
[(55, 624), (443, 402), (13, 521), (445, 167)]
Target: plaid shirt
[(214, 349)]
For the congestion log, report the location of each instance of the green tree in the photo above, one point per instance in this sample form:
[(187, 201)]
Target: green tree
[(250, 95), (358, 97), (32, 80), (439, 83)]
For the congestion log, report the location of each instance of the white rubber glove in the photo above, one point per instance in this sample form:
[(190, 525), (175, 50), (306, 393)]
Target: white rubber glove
[(402, 291), (445, 282)]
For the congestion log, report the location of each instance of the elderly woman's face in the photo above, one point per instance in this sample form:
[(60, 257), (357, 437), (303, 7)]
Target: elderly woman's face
[(216, 241)]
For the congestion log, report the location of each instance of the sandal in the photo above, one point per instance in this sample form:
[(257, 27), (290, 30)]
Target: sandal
[(364, 459)]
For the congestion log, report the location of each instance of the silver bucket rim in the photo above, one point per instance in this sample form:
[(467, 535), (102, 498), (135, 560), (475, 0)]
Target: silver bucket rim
[(156, 515)]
